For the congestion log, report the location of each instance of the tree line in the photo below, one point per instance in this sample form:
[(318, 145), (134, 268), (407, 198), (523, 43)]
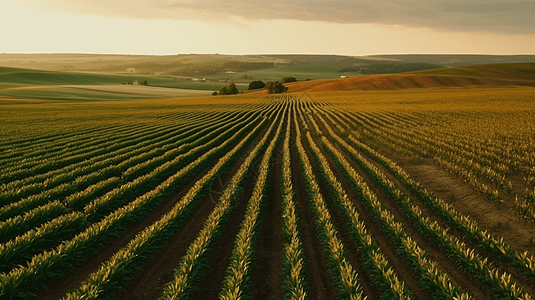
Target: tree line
[(273, 87)]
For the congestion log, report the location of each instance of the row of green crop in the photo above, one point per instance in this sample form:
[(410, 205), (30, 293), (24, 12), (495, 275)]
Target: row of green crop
[(470, 178), (466, 258), (343, 273), (294, 285), (430, 276), (156, 135), (70, 156), (386, 133), (464, 224), (120, 140), (39, 241), (32, 157), (37, 183), (472, 166), (19, 145), (16, 226), (18, 251), (36, 147), (237, 281), (423, 139), (198, 135), (501, 283), (100, 207), (192, 265), (50, 265), (115, 273), (383, 276), (18, 148), (525, 208), (126, 166), (467, 160), (9, 145)]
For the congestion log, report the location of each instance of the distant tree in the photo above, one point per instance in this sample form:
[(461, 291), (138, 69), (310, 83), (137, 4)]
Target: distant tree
[(223, 91), (232, 89), (288, 79), (145, 82), (259, 84), (276, 87), (214, 94)]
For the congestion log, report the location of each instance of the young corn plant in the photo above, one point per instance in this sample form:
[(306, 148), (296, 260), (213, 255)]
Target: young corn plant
[(343, 273), (465, 257), (16, 226), (294, 284), (52, 264), (191, 266), (469, 228), (388, 283), (429, 275), (237, 277)]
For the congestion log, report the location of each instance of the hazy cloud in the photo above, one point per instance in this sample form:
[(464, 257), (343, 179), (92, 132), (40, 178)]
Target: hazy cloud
[(505, 16)]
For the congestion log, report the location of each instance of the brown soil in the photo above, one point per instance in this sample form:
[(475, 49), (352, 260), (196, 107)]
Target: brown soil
[(501, 221)]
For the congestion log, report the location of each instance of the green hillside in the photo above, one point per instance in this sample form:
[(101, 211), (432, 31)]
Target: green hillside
[(39, 77)]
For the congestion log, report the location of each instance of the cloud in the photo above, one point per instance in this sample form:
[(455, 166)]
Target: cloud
[(505, 16)]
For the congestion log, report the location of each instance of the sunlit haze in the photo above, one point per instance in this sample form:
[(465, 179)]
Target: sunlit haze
[(241, 27)]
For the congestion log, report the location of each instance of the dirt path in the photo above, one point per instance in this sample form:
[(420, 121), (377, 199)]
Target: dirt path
[(501, 222)]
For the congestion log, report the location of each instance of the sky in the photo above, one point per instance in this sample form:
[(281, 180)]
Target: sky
[(345, 27)]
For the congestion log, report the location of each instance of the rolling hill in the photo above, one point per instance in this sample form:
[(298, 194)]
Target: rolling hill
[(244, 68), (470, 76)]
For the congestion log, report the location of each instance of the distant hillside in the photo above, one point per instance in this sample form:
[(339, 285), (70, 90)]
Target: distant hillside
[(183, 64), (455, 60), (242, 69), (471, 76), (520, 71)]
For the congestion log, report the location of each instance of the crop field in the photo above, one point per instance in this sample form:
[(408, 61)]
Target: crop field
[(414, 194), (17, 78), (71, 93)]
